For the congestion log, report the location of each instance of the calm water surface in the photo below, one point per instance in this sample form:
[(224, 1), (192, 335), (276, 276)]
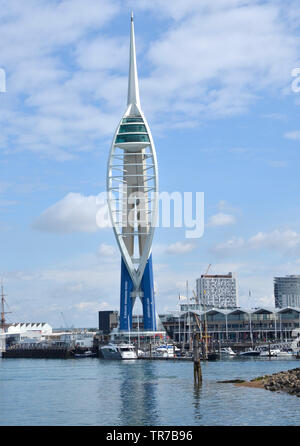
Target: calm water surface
[(93, 391)]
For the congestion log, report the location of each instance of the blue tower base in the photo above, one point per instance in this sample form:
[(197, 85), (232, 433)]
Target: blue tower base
[(147, 286), (126, 302)]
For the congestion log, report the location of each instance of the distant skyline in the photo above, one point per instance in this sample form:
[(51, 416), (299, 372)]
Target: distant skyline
[(216, 87)]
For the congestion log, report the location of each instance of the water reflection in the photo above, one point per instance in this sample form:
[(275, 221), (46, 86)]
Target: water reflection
[(138, 393), (112, 393), (196, 401)]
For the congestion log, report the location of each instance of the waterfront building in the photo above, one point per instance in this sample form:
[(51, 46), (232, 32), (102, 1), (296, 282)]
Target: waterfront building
[(26, 332), (132, 186), (108, 320), (30, 329), (238, 325), (217, 290), (287, 291), (234, 325)]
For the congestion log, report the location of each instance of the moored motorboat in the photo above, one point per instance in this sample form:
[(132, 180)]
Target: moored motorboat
[(250, 352), (118, 351), (167, 350), (284, 353), (86, 354), (269, 353), (227, 351)]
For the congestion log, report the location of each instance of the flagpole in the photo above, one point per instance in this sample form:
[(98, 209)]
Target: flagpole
[(189, 310), (129, 327), (138, 320), (179, 321)]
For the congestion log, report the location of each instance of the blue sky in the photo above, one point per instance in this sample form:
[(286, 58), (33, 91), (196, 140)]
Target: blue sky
[(215, 86)]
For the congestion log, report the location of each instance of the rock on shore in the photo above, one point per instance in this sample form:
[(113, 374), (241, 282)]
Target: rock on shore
[(288, 381)]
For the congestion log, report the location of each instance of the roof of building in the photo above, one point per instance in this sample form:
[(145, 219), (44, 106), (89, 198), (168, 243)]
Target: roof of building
[(260, 310)]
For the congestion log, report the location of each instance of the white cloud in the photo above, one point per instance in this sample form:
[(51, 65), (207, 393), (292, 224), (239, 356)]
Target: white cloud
[(66, 86), (180, 248), (287, 240), (275, 116), (79, 291), (295, 135), (74, 213), (91, 306), (221, 219), (106, 250), (43, 111), (230, 245), (107, 50), (278, 164), (234, 52), (177, 9), (284, 241)]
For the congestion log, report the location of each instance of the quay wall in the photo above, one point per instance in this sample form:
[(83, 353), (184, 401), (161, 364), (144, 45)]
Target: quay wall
[(62, 353)]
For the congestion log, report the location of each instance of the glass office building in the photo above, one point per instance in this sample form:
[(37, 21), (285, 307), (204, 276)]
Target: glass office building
[(287, 291)]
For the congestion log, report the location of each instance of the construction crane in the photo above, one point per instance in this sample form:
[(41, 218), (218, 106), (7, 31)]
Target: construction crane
[(208, 268), (64, 319), (196, 298)]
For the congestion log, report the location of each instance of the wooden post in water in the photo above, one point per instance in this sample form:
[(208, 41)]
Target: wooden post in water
[(197, 365)]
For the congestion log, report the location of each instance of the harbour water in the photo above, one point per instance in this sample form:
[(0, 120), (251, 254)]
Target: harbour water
[(94, 391)]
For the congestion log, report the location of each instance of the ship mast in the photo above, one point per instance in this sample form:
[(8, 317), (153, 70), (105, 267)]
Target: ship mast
[(3, 312)]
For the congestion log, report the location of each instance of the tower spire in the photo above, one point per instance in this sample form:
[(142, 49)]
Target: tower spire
[(133, 83)]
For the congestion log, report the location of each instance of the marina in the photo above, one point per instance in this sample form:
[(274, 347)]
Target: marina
[(163, 391), (227, 353)]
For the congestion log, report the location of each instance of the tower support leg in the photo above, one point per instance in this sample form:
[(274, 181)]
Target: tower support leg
[(126, 303), (147, 286)]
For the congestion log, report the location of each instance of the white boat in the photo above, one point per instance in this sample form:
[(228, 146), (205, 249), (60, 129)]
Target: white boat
[(118, 351), (271, 353), (227, 351), (167, 350), (284, 353), (250, 352)]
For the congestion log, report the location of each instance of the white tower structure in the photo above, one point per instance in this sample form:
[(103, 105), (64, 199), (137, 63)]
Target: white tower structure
[(132, 186)]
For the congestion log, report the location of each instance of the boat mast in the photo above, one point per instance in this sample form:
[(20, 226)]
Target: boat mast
[(180, 322), (138, 322), (189, 312), (129, 329), (3, 312)]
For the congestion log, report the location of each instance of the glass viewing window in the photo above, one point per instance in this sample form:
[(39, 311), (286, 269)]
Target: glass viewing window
[(132, 138)]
